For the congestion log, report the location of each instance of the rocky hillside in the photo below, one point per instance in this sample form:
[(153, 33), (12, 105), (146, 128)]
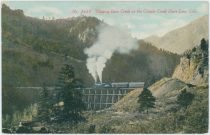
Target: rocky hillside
[(35, 49), (167, 116), (193, 67), (184, 38), (61, 36), (165, 91), (127, 103)]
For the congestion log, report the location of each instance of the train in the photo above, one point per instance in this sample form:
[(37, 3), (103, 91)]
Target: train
[(120, 85)]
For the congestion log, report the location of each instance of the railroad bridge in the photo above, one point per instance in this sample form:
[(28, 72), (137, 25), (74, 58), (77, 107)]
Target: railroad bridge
[(103, 95), (99, 98)]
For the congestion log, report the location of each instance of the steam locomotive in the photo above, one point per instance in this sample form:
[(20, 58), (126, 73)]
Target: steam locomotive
[(120, 85)]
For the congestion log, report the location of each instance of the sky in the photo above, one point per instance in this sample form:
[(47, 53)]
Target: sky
[(142, 19)]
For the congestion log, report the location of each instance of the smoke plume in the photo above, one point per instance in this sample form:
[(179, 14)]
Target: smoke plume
[(110, 39)]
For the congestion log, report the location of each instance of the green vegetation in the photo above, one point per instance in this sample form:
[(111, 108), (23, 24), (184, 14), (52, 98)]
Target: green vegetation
[(43, 44), (43, 111), (192, 120), (204, 45), (146, 100), (14, 99), (147, 63), (64, 103), (34, 51), (69, 104), (185, 98), (26, 114)]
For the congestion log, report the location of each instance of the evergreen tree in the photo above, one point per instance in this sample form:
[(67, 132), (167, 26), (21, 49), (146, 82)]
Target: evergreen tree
[(204, 45), (68, 95), (185, 98), (146, 100), (43, 106)]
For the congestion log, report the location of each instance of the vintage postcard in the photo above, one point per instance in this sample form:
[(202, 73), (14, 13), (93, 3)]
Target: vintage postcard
[(116, 67)]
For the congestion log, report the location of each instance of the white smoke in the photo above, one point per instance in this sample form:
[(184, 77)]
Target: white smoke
[(110, 39)]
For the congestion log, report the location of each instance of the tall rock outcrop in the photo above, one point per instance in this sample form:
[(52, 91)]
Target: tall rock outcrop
[(193, 67)]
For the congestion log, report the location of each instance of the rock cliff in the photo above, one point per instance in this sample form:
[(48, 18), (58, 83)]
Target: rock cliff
[(193, 67)]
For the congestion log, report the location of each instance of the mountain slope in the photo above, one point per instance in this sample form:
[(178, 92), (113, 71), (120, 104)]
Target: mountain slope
[(184, 38), (167, 116), (34, 51), (39, 45), (147, 63), (64, 36)]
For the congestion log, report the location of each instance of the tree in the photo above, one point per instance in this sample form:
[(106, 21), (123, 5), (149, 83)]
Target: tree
[(194, 49), (68, 94), (185, 98), (43, 106), (146, 100), (204, 45)]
